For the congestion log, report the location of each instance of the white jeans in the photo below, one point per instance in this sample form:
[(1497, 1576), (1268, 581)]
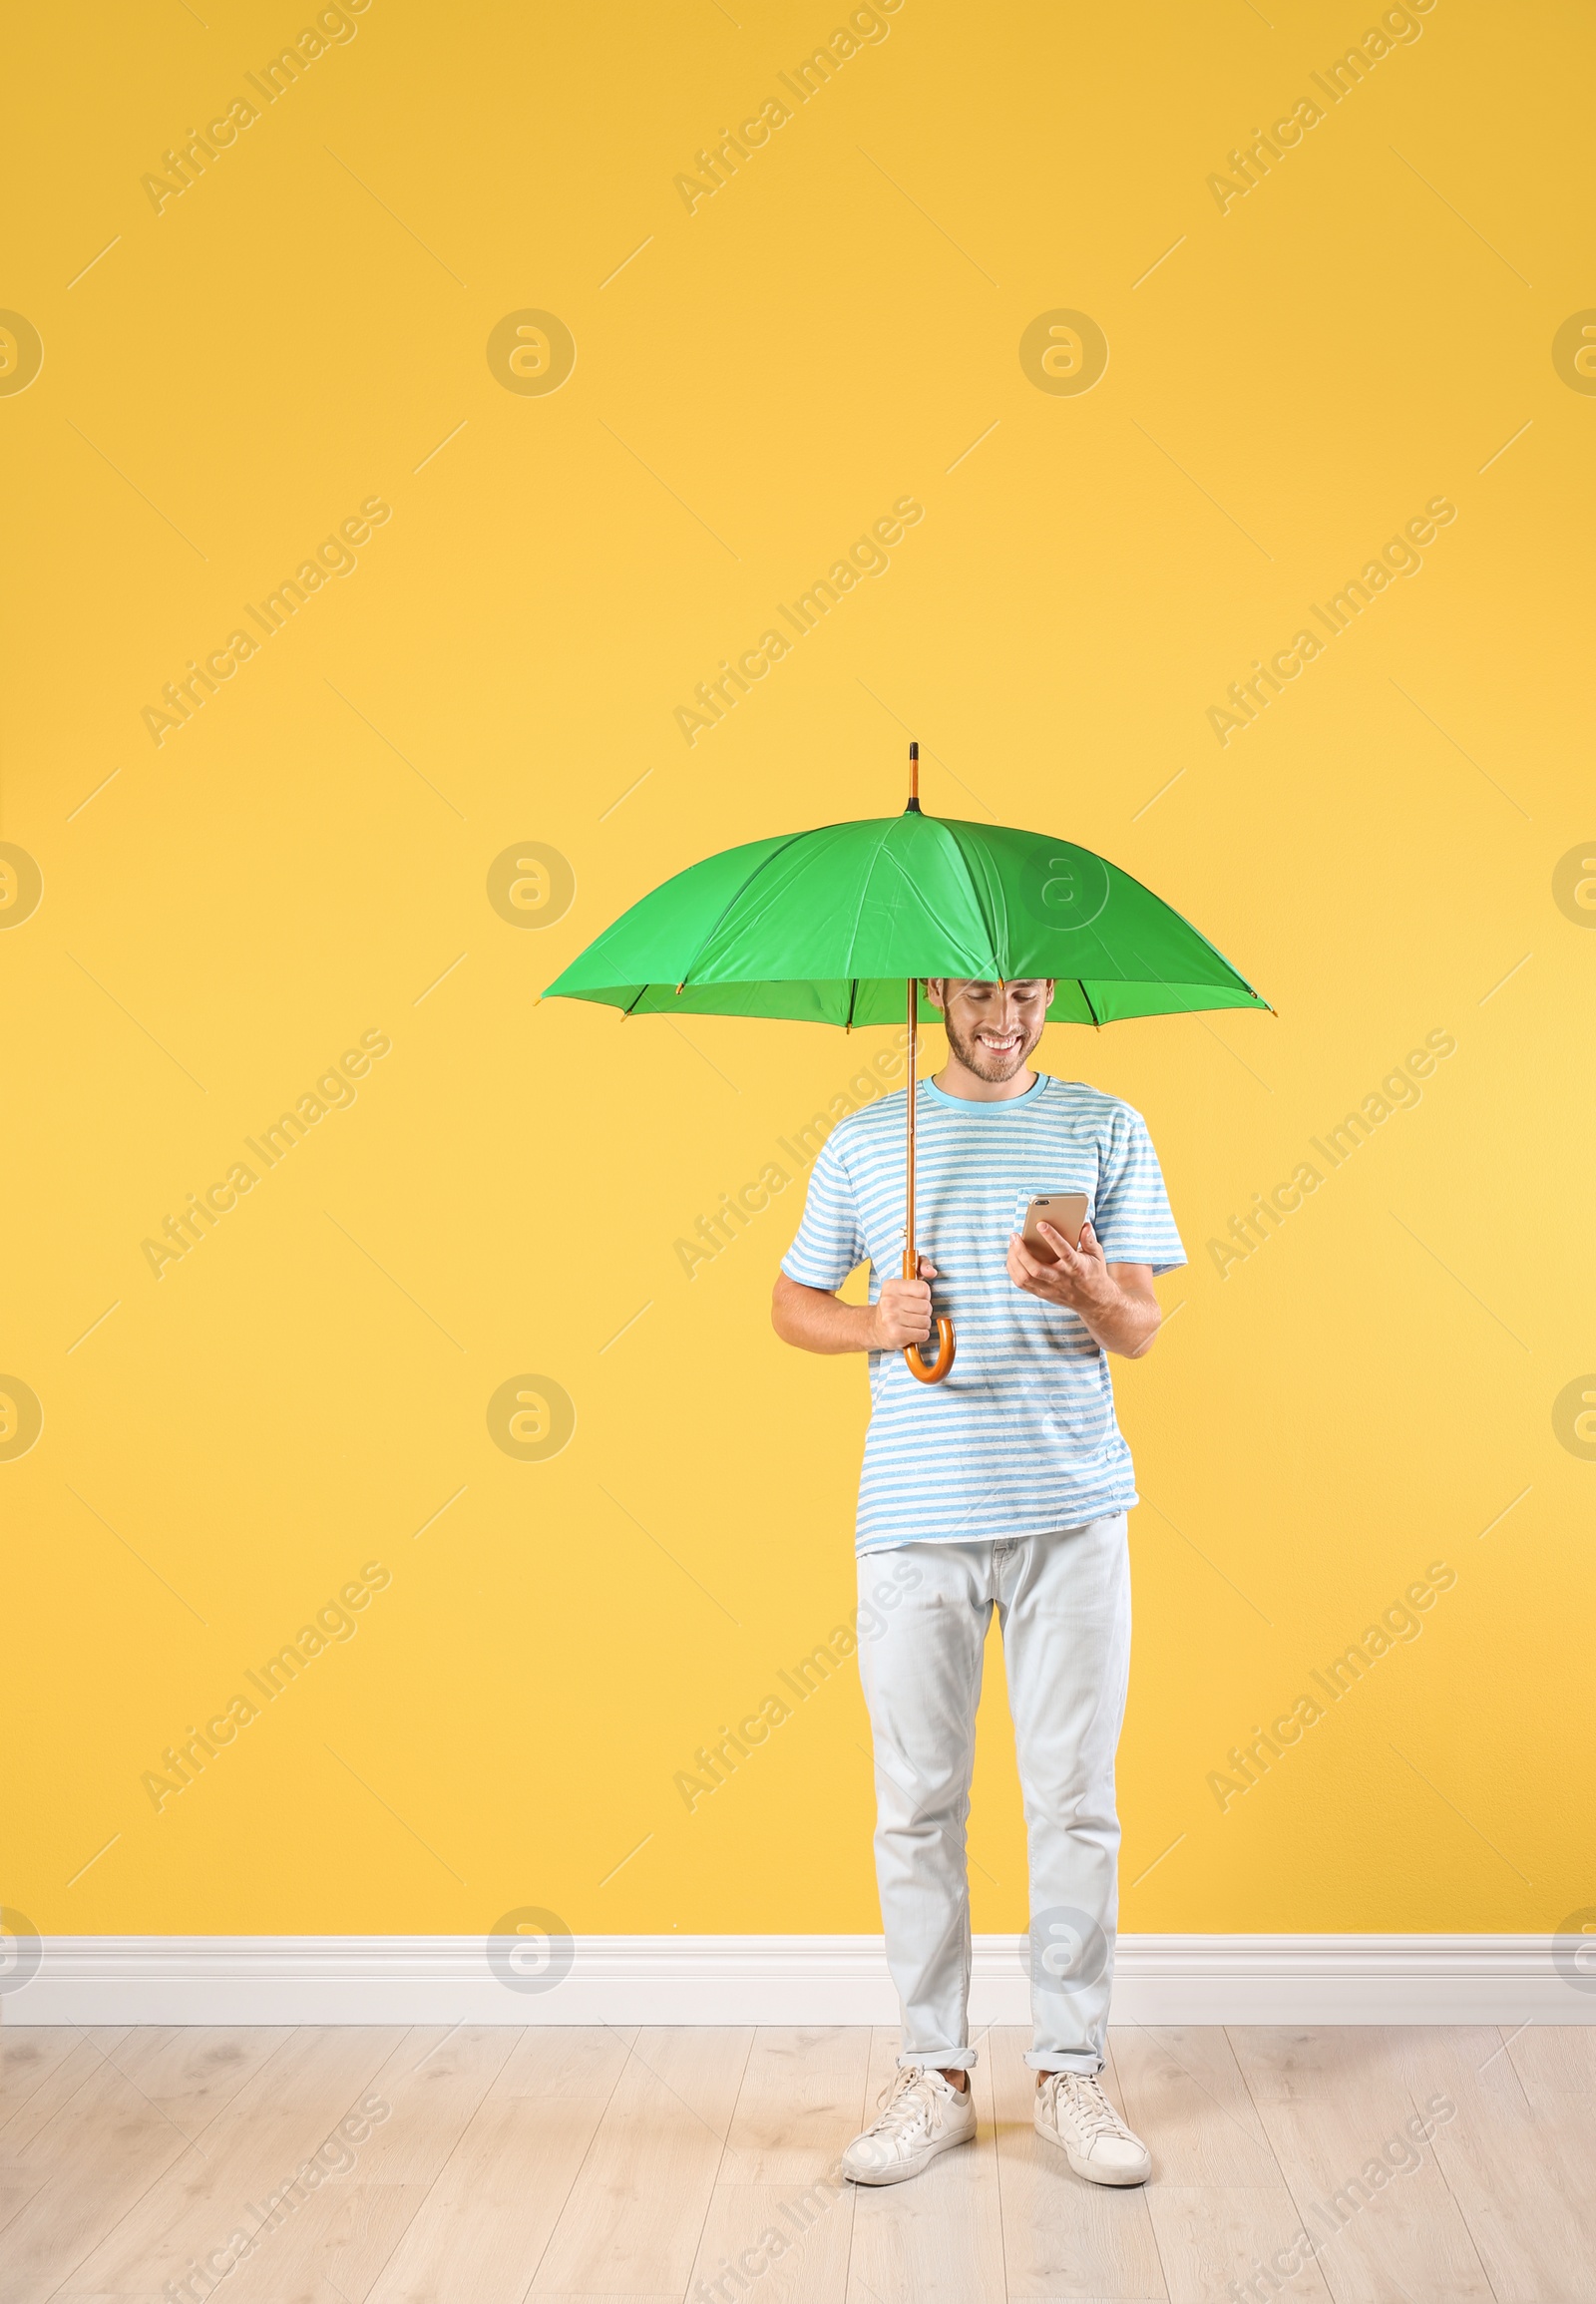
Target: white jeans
[(1063, 1603)]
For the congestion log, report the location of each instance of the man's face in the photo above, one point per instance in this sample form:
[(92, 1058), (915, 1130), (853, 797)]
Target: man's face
[(991, 1028)]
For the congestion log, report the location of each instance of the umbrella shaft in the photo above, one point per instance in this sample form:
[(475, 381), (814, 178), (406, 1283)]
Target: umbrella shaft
[(911, 1258)]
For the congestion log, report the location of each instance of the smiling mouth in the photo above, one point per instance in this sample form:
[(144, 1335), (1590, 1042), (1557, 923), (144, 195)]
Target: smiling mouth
[(1000, 1044)]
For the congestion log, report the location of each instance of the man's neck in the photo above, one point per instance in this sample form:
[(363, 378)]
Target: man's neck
[(957, 1079)]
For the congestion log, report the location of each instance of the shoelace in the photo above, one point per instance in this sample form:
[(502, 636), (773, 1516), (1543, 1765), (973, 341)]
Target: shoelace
[(1091, 2111), (906, 2104)]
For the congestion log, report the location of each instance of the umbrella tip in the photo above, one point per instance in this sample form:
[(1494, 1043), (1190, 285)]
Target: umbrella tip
[(913, 807)]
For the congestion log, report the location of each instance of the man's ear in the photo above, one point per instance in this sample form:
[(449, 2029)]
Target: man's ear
[(1052, 986), (937, 991)]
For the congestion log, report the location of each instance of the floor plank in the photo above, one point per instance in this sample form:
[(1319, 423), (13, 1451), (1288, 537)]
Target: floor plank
[(1215, 2238), (635, 2211), (99, 2157), (790, 2240), (189, 2072), (41, 2069), (28, 2058), (937, 2240), (801, 2101), (1522, 2171), (1220, 2207), (486, 2222), (780, 2203), (1184, 2094), (1063, 2237), (51, 2082), (567, 2060), (1335, 2104), (1555, 2060), (248, 2155), (350, 2225)]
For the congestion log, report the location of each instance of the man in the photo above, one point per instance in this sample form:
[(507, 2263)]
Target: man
[(1005, 1487)]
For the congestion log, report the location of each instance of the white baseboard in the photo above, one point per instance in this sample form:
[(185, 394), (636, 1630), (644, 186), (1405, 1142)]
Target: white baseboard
[(244, 1979)]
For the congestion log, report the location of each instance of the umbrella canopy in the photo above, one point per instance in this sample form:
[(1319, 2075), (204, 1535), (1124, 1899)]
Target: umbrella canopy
[(827, 926), (839, 925)]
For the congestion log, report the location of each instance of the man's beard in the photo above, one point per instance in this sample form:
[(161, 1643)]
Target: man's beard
[(981, 1062)]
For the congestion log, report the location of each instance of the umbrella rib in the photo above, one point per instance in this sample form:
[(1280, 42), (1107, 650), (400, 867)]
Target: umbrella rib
[(884, 851), (980, 895), (737, 896), (1206, 942), (870, 873), (1086, 996)]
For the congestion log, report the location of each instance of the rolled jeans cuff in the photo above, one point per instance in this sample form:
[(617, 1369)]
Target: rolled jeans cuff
[(940, 2060), (1046, 2060)]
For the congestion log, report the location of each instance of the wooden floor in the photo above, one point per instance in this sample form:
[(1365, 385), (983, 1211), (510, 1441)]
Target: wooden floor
[(632, 2166)]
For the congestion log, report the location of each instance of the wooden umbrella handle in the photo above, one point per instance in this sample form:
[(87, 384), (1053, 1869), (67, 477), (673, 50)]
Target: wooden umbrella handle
[(931, 1372), (924, 1372), (944, 1361)]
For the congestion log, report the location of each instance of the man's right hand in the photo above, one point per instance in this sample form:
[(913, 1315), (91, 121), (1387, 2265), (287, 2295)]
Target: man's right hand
[(903, 1311)]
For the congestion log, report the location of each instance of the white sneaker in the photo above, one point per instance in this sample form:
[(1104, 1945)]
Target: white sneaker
[(1073, 2112), (921, 2115)]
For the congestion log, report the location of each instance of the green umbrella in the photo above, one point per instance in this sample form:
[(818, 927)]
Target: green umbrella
[(841, 924)]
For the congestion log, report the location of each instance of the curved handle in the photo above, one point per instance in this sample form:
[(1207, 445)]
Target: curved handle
[(932, 1372)]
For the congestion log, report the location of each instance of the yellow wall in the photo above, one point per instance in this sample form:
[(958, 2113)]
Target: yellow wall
[(307, 328)]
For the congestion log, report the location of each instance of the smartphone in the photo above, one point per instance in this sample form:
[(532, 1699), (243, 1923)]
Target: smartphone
[(1065, 1211)]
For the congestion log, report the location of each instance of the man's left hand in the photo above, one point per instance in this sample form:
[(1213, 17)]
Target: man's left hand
[(1081, 1279), (1116, 1302)]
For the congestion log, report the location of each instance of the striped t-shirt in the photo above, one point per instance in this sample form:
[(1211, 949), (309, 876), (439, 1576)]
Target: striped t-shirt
[(1020, 1438)]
